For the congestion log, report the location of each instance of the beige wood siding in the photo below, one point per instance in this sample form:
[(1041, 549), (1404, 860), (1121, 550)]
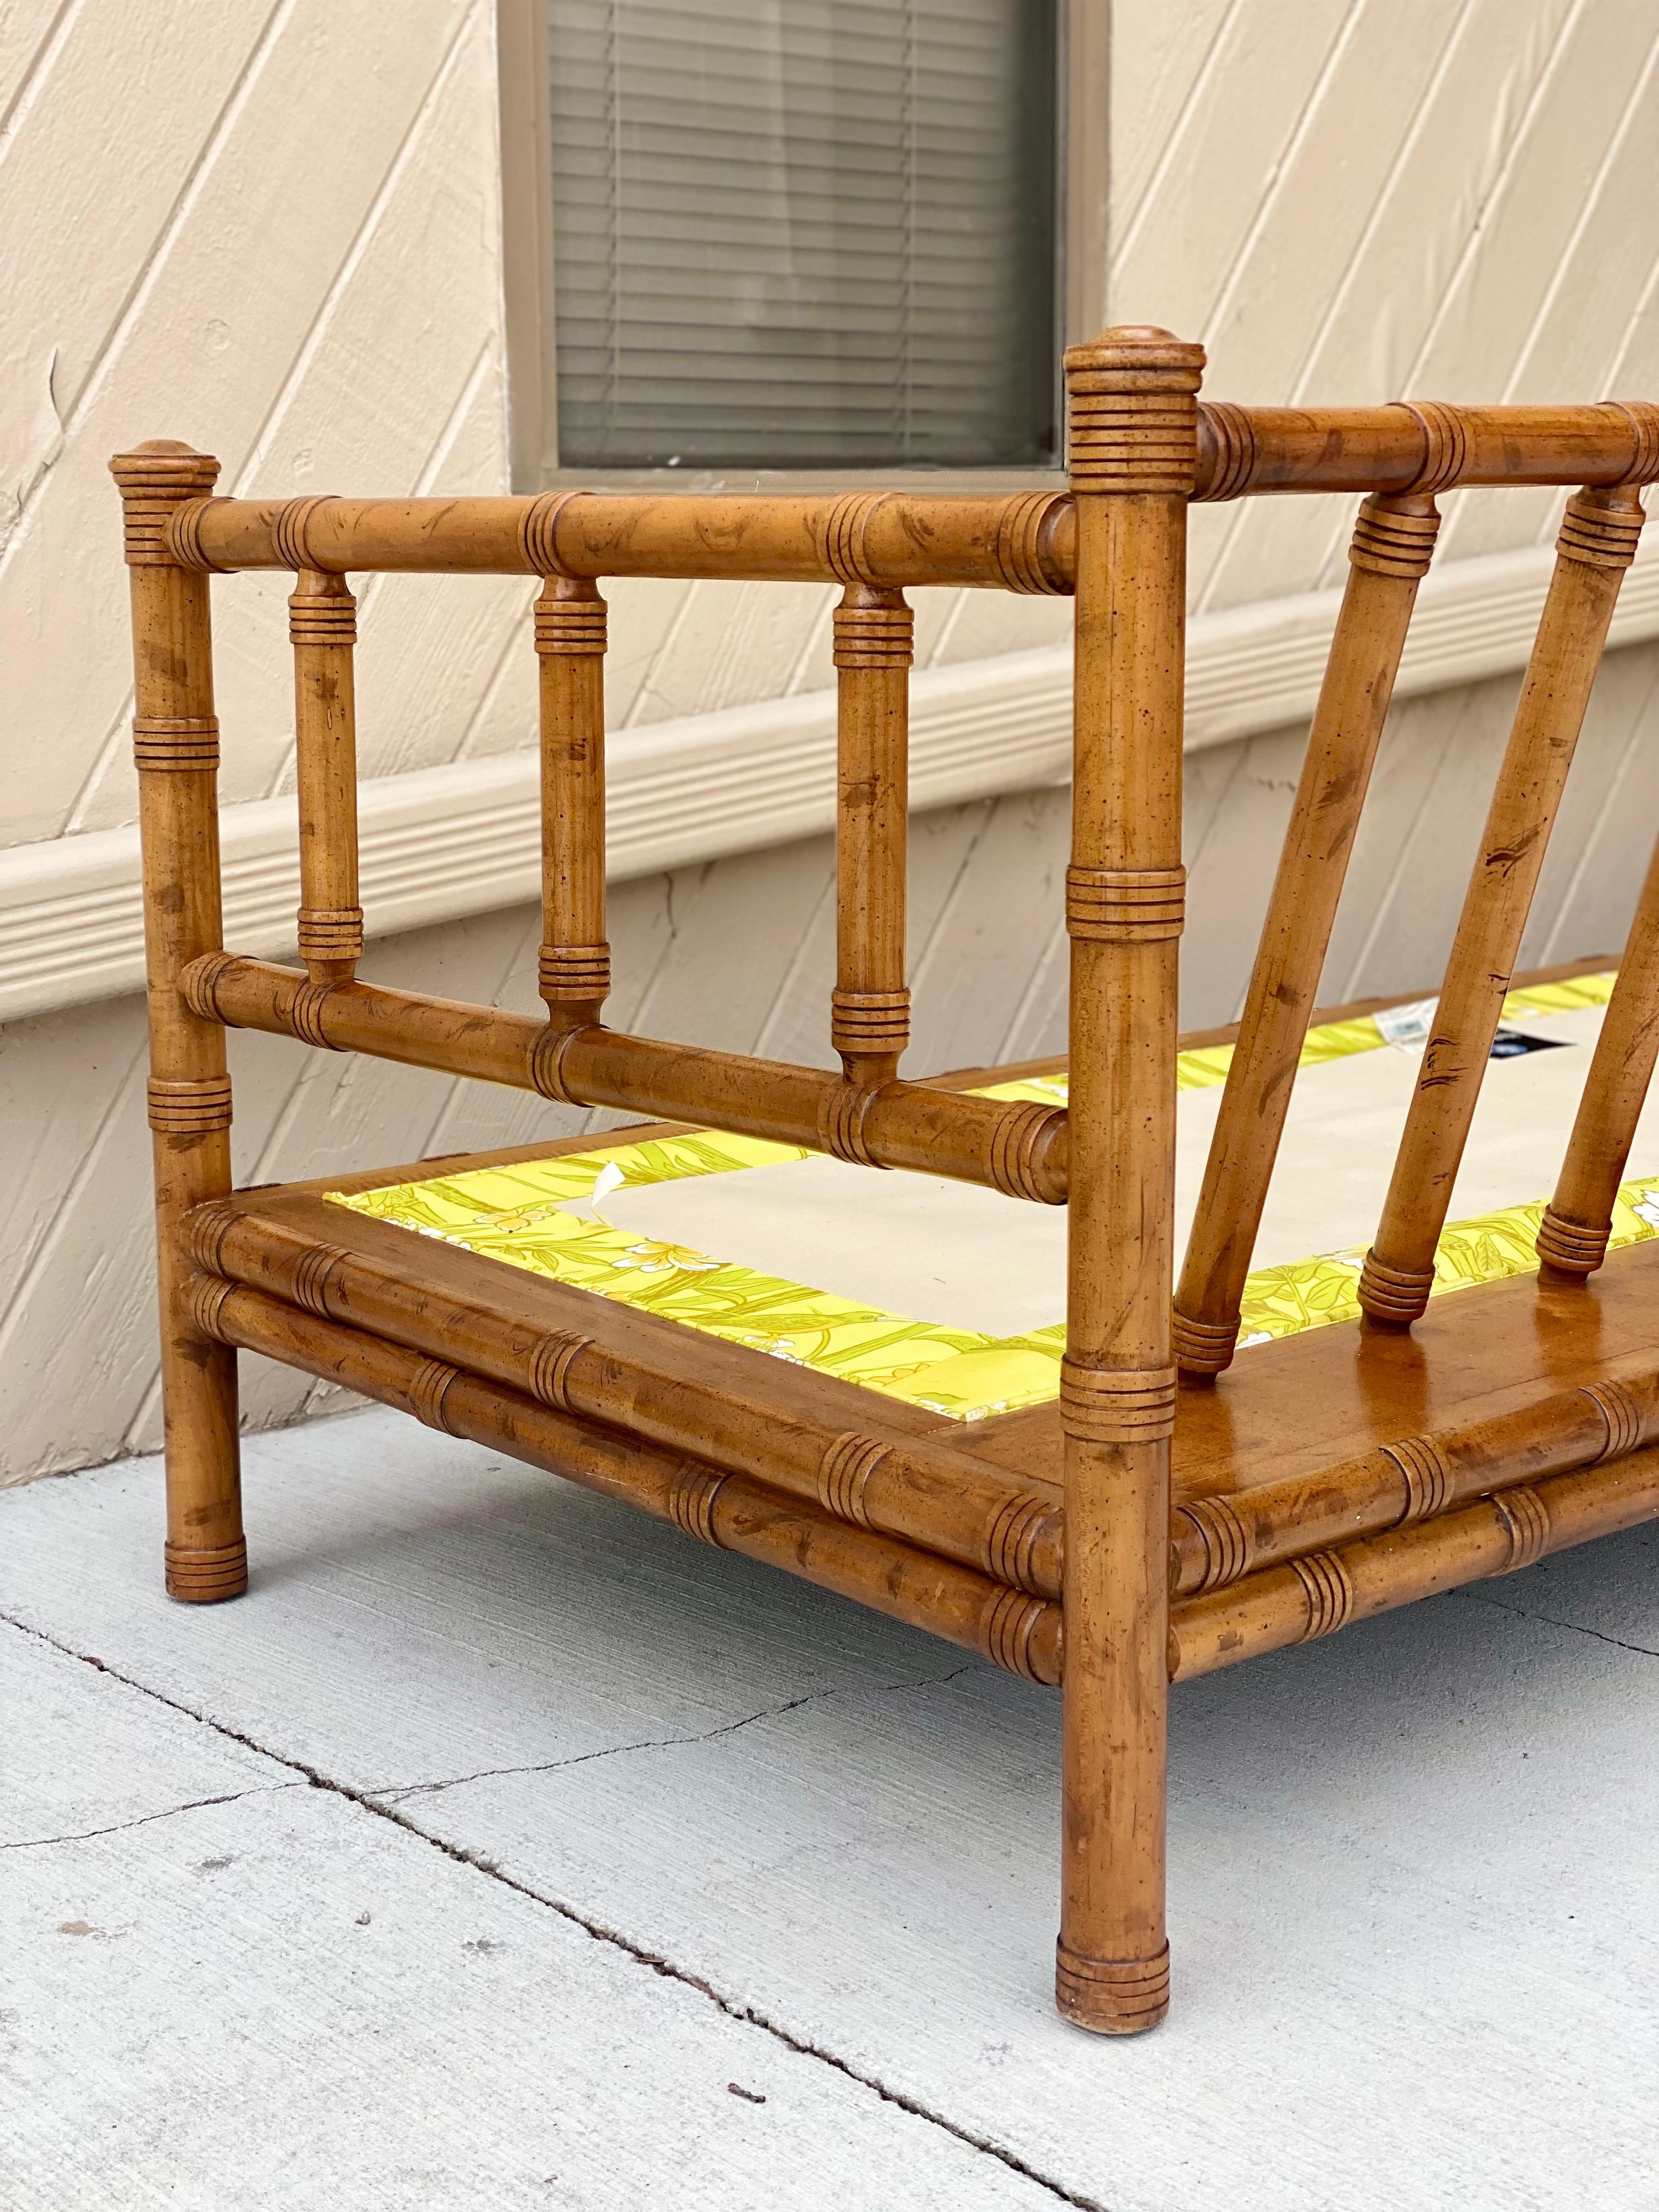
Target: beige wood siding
[(272, 227), (1351, 201)]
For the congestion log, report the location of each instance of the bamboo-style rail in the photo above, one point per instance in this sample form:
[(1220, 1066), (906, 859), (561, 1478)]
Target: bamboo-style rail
[(1016, 543), (870, 1005), (175, 744), (1597, 546), (1221, 1540), (322, 627), (929, 1490), (1393, 544), (922, 1489), (1500, 1534), (1016, 1147), (1024, 542), (1298, 1603), (1572, 1237), (1429, 446), (574, 965), (731, 1512)]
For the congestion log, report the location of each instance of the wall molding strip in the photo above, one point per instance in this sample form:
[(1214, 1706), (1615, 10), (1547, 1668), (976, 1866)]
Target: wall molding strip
[(441, 843)]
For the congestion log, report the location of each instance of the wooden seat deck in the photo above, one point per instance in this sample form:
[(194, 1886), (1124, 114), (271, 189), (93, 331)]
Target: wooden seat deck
[(1310, 1444)]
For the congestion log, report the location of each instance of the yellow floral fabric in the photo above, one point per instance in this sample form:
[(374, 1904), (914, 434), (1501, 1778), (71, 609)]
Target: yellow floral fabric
[(540, 1215)]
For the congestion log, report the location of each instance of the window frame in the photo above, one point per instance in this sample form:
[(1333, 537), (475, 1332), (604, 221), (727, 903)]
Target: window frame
[(527, 271)]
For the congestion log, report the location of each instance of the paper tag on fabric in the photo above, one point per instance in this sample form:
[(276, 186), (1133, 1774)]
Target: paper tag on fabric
[(1510, 1044), (1406, 1028)]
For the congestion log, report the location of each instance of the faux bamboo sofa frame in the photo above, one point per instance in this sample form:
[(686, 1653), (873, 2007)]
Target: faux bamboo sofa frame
[(1326, 1478)]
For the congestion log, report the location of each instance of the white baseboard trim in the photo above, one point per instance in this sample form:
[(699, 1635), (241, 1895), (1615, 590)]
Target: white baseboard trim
[(439, 844)]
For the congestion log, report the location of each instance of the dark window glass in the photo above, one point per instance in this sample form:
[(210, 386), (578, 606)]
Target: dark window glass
[(805, 233)]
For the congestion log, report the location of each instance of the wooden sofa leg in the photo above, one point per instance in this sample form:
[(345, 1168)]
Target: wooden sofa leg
[(1112, 1968), (175, 735), (206, 1550), (1133, 447)]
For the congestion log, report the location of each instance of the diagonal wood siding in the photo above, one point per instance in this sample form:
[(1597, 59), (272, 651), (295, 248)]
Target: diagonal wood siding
[(274, 230), (272, 227), (1350, 201)]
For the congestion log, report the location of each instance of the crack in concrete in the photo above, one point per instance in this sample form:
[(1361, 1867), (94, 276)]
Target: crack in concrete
[(1553, 1620), (399, 1793), (143, 1819), (733, 2007)]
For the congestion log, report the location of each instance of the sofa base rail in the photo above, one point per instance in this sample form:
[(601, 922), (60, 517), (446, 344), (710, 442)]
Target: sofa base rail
[(1300, 1602), (929, 1490), (731, 1512), (916, 1489), (1219, 1540), (1499, 1534)]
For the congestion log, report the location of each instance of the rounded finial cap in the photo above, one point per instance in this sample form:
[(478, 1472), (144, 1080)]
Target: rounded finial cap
[(166, 467), (1137, 348)]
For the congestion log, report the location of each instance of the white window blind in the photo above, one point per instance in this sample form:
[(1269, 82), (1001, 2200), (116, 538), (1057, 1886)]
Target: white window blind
[(805, 233)]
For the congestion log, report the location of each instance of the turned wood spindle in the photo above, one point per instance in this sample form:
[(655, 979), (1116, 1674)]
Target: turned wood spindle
[(1133, 447), (176, 747), (1572, 1237), (1392, 543), (322, 628), (574, 964), (1596, 545), (870, 1009)]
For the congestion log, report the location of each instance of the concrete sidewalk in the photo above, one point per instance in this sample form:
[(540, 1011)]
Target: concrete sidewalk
[(503, 1848)]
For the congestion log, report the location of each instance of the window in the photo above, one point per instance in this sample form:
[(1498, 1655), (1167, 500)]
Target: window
[(803, 234)]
